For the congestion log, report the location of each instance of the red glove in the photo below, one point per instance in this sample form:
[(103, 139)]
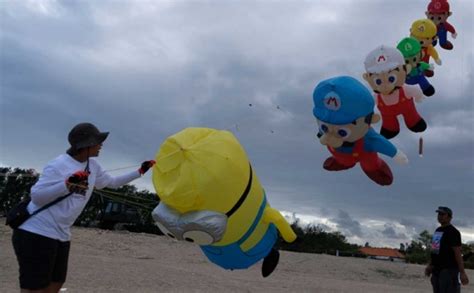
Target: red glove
[(146, 166), (78, 182), (78, 177)]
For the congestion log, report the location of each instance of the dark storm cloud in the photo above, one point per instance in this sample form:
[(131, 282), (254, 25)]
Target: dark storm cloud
[(144, 70), (347, 224), (390, 232)]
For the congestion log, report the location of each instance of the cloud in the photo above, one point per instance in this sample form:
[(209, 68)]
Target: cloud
[(144, 70), (390, 232), (452, 128), (348, 225)]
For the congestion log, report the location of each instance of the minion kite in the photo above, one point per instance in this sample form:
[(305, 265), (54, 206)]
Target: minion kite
[(210, 195)]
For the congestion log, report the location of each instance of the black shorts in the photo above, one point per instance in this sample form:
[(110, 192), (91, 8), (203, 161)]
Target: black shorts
[(42, 260), (445, 281)]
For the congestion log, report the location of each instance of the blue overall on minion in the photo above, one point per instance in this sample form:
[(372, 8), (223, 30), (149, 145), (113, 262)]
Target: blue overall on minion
[(233, 257)]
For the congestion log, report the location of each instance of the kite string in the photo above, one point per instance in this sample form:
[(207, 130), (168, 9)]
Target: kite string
[(35, 174), (107, 193), (140, 202), (252, 119), (127, 199), (115, 193), (122, 168)]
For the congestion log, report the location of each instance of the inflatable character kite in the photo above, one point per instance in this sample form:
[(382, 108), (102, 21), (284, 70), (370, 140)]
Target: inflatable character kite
[(386, 73), (344, 109), (424, 30), (411, 51), (210, 195), (438, 12)]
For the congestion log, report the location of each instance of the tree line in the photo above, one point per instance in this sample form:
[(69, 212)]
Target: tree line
[(112, 209)]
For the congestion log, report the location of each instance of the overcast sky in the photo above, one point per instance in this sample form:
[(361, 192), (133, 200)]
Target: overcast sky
[(144, 70)]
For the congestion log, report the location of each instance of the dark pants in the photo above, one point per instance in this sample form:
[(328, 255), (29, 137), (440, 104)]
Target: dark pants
[(42, 260), (419, 79), (445, 281)]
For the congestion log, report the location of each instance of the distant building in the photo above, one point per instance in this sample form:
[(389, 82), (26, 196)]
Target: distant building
[(391, 254)]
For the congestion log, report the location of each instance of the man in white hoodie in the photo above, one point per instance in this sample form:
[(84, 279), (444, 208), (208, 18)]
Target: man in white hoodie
[(42, 242)]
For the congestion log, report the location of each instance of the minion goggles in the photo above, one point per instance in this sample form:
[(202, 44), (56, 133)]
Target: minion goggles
[(203, 227)]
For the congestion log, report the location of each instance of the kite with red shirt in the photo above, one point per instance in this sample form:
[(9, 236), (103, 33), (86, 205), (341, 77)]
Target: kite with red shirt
[(438, 11)]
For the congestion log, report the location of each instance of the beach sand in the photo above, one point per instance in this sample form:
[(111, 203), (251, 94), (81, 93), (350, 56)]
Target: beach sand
[(120, 261)]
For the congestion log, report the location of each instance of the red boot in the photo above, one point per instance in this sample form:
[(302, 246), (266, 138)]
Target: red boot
[(382, 175), (331, 164), (447, 46)]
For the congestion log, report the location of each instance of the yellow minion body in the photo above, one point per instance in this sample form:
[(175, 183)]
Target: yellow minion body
[(202, 169)]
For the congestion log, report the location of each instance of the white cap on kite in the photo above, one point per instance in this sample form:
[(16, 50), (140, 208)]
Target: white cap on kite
[(382, 59)]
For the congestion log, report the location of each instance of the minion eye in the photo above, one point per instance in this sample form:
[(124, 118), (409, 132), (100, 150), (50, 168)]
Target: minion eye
[(378, 81), (407, 61), (198, 237), (439, 17), (344, 132), (432, 18), (392, 78), (414, 59)]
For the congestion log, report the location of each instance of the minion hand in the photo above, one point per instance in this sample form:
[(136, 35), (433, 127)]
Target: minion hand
[(438, 61), (400, 158), (78, 182), (454, 35), (146, 166)]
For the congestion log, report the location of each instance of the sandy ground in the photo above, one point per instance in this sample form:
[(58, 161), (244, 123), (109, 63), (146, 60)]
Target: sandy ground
[(118, 261)]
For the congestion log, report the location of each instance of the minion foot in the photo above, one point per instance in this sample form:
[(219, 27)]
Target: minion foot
[(270, 262)]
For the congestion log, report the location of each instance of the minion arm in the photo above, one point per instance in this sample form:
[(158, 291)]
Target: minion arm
[(270, 215)]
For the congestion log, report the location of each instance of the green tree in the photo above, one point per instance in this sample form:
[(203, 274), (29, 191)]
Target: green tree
[(313, 239), (15, 185), (468, 253), (402, 248), (419, 249)]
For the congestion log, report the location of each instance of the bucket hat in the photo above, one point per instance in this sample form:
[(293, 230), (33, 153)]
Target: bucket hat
[(85, 135)]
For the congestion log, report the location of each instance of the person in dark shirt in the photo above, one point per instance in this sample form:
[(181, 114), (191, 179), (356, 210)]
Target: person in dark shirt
[(446, 266)]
